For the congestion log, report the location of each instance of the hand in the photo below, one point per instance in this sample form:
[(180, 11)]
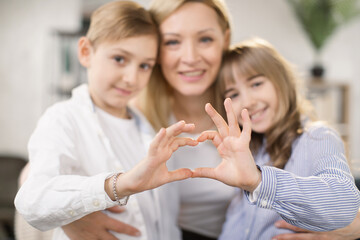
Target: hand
[(152, 172), (237, 167), (97, 225), (351, 232)]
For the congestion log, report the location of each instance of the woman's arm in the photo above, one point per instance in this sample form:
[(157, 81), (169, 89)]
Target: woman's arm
[(351, 232)]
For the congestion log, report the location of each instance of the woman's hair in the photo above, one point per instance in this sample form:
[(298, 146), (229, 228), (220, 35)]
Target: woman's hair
[(156, 100), (118, 20), (256, 56)]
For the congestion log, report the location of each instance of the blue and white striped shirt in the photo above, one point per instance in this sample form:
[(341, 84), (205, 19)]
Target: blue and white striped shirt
[(315, 191)]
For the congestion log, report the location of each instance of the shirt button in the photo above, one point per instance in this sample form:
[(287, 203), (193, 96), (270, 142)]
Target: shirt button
[(263, 203), (96, 203), (71, 213)]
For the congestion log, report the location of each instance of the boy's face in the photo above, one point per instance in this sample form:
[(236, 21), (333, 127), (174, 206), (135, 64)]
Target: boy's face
[(119, 70), (258, 95)]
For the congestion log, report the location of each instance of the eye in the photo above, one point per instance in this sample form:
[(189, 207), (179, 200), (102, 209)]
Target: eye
[(171, 42), (119, 59), (256, 84), (231, 95), (206, 39), (146, 66)]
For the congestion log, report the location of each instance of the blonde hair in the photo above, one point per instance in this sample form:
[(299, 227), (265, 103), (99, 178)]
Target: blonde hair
[(118, 20), (256, 56), (156, 100)]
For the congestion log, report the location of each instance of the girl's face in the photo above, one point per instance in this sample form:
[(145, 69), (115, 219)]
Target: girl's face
[(117, 71), (258, 95), (191, 48)]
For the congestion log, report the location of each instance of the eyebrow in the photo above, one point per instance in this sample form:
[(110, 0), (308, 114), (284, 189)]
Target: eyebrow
[(255, 76), (131, 55), (228, 90), (199, 32)]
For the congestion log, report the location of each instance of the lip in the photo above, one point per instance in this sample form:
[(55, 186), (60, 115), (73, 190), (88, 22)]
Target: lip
[(192, 75), (258, 116), (123, 92)]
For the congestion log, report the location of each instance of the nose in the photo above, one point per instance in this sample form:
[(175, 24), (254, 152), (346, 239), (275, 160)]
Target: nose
[(130, 75), (190, 53), (247, 100)]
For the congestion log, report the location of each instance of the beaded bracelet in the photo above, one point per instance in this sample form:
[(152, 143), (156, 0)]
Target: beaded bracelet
[(121, 201)]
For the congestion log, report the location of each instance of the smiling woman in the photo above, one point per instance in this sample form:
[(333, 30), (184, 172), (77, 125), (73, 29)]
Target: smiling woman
[(194, 36)]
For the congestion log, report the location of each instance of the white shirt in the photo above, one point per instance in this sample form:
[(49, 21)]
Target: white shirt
[(74, 148), (203, 201)]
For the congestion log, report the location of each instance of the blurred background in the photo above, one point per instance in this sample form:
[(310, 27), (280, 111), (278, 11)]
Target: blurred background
[(38, 64)]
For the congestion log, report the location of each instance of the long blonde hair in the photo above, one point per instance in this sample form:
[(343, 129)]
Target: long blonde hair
[(156, 101), (118, 20), (256, 56)]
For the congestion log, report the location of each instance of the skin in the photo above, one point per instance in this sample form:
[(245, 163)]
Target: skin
[(237, 168), (258, 95), (351, 232), (118, 71), (190, 56)]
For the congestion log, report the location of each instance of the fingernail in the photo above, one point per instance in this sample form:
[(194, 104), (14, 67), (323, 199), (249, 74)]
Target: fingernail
[(137, 234)]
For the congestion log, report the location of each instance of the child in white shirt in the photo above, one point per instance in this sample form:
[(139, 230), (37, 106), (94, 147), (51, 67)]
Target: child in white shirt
[(89, 153)]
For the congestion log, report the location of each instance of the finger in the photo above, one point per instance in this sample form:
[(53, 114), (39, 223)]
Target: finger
[(155, 144), (188, 127), (204, 173), (180, 174), (116, 209), (218, 120), (246, 132), (234, 129), (284, 224), (120, 227), (175, 129), (296, 236), (207, 135), (210, 135), (180, 142), (106, 236)]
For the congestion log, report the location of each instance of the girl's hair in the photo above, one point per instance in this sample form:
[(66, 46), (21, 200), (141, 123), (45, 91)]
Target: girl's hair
[(118, 20), (156, 100), (256, 56)]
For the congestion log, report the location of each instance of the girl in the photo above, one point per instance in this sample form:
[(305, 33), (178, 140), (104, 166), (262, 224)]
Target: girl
[(299, 171), (80, 147)]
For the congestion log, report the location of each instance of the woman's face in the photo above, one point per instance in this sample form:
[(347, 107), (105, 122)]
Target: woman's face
[(191, 48)]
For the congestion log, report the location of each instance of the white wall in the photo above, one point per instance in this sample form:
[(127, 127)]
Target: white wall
[(26, 29)]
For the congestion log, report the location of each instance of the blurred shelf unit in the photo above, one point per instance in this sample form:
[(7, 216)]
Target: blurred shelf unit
[(331, 103), (68, 70)]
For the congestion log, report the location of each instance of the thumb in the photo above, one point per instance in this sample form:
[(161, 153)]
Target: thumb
[(116, 209)]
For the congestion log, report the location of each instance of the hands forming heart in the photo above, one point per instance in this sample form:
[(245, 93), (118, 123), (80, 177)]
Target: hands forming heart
[(237, 167)]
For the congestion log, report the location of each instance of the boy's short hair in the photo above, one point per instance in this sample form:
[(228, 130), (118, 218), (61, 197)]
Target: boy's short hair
[(118, 20)]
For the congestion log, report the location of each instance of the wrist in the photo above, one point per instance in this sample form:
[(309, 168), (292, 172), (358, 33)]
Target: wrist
[(116, 190), (257, 180)]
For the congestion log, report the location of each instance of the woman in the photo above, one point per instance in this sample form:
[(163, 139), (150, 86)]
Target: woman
[(194, 35)]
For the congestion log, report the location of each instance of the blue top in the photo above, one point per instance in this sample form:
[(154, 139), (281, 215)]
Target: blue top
[(315, 191)]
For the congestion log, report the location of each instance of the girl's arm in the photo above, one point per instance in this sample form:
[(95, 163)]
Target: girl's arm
[(325, 201)]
